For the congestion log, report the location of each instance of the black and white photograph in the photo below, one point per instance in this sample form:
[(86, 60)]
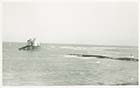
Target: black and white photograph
[(70, 43)]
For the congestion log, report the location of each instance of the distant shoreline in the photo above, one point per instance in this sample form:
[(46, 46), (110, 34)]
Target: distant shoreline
[(89, 45)]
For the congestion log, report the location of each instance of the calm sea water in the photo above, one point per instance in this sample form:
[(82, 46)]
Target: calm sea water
[(51, 65)]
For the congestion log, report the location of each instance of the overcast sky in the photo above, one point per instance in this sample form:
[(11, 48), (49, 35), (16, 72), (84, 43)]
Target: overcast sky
[(98, 23)]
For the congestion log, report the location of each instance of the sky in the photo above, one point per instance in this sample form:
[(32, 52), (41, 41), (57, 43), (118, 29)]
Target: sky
[(72, 22)]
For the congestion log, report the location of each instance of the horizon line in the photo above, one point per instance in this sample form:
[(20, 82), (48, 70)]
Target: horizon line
[(76, 44)]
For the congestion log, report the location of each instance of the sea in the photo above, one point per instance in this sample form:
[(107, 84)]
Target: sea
[(56, 65)]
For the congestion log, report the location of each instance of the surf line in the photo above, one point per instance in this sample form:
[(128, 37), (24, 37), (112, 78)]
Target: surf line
[(105, 57)]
